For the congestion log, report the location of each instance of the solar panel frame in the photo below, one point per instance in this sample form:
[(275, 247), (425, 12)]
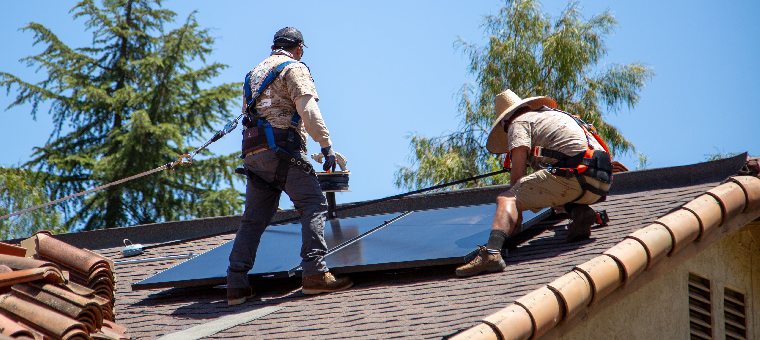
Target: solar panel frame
[(466, 227)]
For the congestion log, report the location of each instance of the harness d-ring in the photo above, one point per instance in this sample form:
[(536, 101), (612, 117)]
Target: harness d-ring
[(183, 161)]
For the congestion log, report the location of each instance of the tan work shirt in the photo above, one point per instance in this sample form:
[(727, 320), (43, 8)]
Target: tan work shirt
[(277, 103), (549, 129)]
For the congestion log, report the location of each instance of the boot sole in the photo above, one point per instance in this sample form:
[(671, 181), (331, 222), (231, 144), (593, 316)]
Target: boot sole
[(497, 268), (312, 291), (581, 230), (233, 302)]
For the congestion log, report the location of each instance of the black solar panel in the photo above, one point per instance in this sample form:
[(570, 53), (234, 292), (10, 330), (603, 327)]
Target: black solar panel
[(421, 238)]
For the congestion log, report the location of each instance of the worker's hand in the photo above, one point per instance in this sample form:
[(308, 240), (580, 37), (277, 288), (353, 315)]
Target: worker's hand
[(329, 158)]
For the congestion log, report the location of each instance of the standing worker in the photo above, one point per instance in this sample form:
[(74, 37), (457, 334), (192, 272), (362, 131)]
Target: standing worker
[(280, 108), (571, 164)]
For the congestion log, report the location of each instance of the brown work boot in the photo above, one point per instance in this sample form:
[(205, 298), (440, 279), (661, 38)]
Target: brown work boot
[(236, 296), (324, 283), (580, 228), (484, 262)]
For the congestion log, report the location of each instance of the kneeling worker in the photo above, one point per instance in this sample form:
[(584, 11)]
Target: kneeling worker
[(571, 164), (280, 106)]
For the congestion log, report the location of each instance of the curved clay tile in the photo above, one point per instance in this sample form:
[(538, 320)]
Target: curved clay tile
[(708, 212), (632, 255), (45, 320), (683, 226), (46, 274), (17, 263), (13, 329), (731, 198), (86, 311), (13, 250), (513, 322), (544, 307), (79, 259), (114, 330), (656, 240), (604, 274), (575, 291), (751, 187)]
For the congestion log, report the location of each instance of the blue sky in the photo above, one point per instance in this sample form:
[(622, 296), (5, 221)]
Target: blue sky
[(384, 70)]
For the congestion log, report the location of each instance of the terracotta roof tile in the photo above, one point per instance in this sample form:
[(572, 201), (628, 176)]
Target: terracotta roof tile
[(11, 328), (87, 311), (46, 321), (45, 274), (11, 249), (38, 299)]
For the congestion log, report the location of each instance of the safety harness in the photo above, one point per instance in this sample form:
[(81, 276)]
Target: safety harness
[(260, 134), (592, 163)]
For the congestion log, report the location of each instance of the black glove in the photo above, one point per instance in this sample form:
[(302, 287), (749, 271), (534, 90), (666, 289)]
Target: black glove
[(329, 158)]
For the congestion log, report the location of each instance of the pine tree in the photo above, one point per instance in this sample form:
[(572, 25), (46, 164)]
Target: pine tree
[(129, 103), (19, 190), (533, 54)]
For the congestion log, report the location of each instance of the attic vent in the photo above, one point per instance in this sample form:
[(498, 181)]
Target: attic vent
[(700, 308), (736, 321)]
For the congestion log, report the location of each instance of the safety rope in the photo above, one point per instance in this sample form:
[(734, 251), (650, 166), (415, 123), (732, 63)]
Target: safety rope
[(186, 159)]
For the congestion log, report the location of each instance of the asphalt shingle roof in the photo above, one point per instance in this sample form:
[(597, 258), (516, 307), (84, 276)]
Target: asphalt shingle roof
[(412, 303)]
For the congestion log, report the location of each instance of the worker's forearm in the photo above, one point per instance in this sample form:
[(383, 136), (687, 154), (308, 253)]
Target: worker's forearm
[(312, 120), (515, 175), (519, 157)]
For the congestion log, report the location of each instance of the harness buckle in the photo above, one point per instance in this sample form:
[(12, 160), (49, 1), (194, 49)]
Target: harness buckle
[(537, 151)]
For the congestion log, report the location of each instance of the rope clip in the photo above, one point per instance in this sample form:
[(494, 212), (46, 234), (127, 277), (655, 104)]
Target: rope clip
[(185, 159)]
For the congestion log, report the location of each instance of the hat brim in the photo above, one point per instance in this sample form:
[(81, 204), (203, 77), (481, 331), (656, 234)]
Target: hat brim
[(498, 139)]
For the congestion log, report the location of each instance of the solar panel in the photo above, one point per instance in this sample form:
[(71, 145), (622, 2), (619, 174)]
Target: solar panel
[(421, 238)]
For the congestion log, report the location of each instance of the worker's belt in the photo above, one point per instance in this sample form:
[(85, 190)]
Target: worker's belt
[(286, 144), (257, 151), (599, 167), (255, 138)]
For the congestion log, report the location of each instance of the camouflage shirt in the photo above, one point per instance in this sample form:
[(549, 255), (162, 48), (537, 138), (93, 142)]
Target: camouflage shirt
[(552, 130), (277, 103)]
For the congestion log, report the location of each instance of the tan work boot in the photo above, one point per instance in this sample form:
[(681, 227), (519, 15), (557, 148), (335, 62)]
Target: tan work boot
[(324, 283), (236, 296), (484, 262), (583, 218)]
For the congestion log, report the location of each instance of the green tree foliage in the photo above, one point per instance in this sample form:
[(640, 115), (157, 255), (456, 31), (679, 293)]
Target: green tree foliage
[(131, 102), (718, 155), (533, 54), (18, 191)]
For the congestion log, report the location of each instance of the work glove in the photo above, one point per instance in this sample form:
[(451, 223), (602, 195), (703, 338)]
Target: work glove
[(329, 158)]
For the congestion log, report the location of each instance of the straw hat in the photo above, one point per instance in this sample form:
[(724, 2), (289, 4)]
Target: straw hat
[(507, 103)]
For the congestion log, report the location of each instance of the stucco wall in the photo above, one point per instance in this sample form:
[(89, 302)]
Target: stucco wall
[(660, 310)]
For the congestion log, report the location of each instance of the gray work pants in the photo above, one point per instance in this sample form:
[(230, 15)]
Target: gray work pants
[(261, 205)]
